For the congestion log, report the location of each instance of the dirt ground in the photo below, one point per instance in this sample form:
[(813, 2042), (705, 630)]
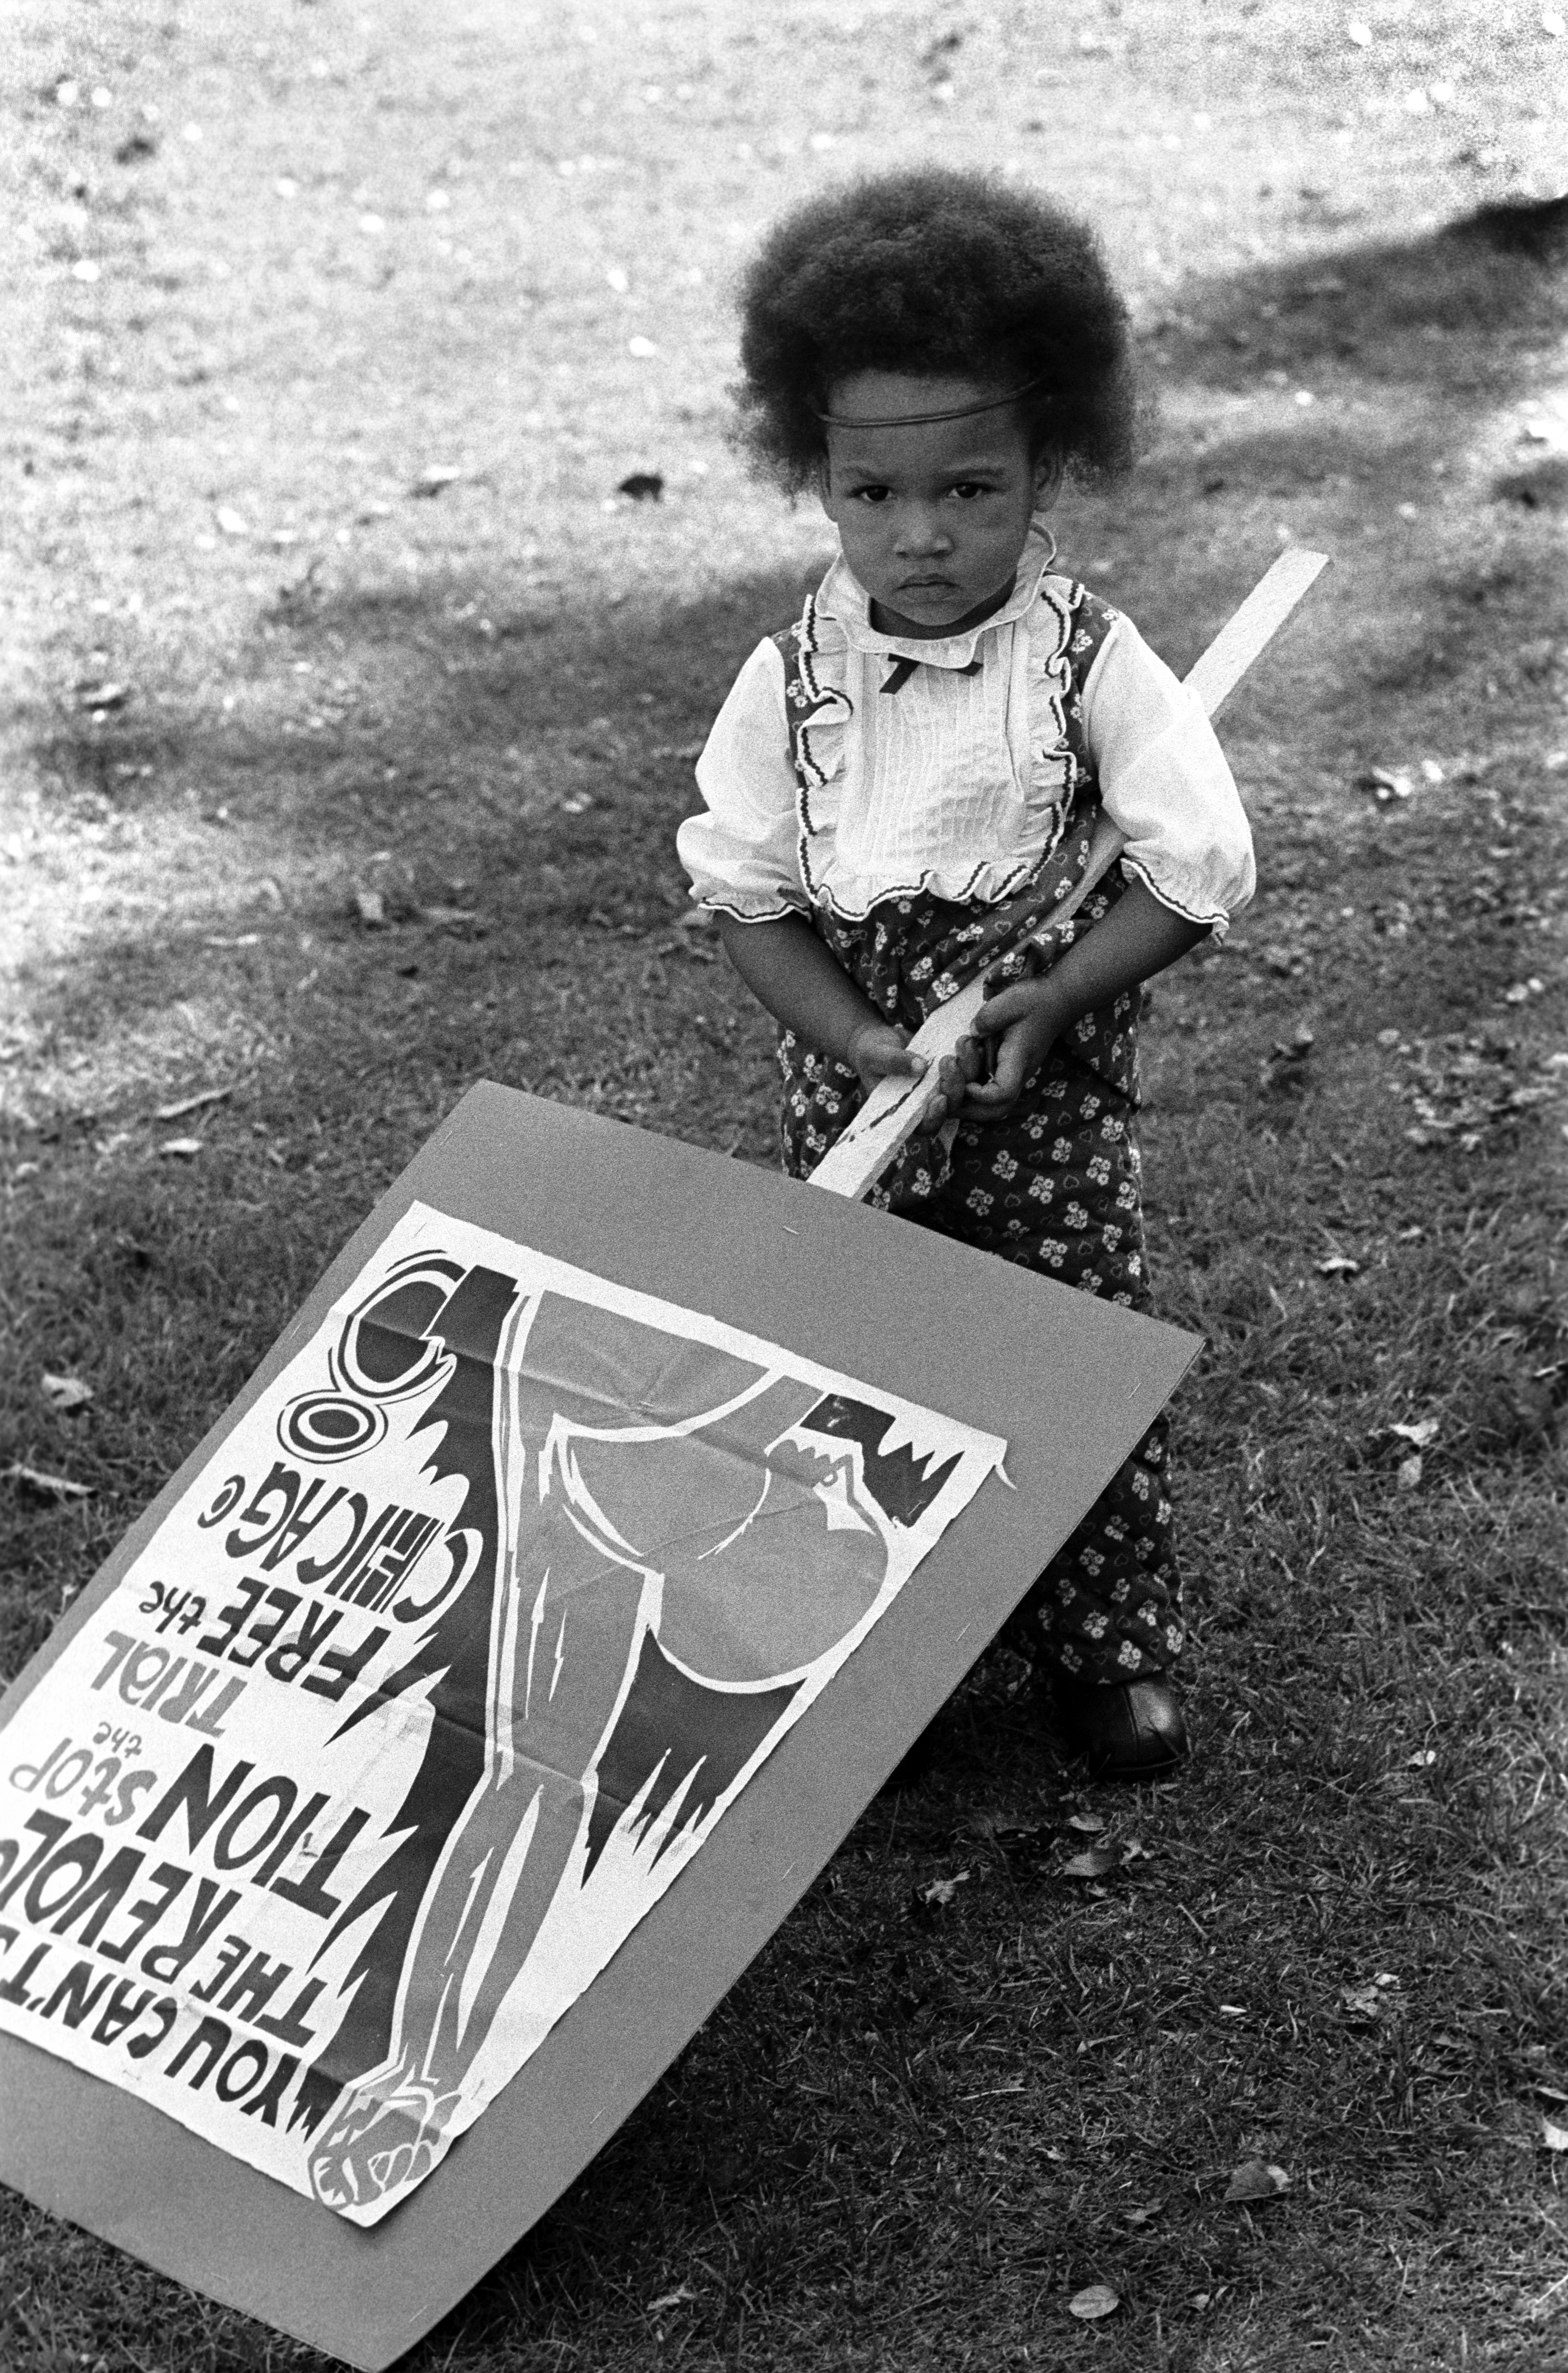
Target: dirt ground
[(353, 713)]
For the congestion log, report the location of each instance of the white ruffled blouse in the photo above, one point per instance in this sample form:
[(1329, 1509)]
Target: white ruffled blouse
[(958, 781)]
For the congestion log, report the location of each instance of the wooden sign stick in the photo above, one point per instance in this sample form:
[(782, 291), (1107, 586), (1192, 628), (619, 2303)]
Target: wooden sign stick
[(891, 1111)]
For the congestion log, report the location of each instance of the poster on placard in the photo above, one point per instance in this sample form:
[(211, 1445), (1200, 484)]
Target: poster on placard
[(428, 1688)]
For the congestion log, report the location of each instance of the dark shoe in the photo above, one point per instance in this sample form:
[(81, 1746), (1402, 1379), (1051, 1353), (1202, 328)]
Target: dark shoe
[(1133, 1730)]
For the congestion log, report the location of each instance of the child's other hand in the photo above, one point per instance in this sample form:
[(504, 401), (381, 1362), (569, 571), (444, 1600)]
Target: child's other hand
[(1022, 1025), (878, 1050)]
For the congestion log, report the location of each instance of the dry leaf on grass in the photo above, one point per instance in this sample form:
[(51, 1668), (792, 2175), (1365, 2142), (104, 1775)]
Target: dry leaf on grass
[(1370, 2000), (182, 1149), (1554, 2137), (38, 1486), (371, 908), (192, 1103), (1339, 1265), (1090, 2305), (1093, 1863), (1257, 2178), (66, 1392), (1419, 1435), (1410, 1472), (1088, 1825), (1387, 783), (671, 2298), (941, 1890)]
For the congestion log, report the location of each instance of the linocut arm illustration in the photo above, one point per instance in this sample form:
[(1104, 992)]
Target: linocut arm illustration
[(665, 1541)]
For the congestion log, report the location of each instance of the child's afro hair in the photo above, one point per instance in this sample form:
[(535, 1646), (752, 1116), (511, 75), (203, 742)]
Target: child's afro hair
[(940, 272)]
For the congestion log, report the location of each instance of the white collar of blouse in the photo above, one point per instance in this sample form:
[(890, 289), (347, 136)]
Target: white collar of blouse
[(843, 598)]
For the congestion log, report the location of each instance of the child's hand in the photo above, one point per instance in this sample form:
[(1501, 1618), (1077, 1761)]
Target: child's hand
[(877, 1050), (1021, 1025)]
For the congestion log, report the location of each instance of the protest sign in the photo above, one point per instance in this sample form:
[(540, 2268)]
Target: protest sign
[(428, 1687), (477, 1700)]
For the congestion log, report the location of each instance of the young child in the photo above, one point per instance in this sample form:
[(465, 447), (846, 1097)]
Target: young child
[(900, 786)]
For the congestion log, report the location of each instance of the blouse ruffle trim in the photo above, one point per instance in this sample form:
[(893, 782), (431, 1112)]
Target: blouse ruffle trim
[(825, 708), (1217, 918)]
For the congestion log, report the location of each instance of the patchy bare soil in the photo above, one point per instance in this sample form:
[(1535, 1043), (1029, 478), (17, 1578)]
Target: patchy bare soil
[(354, 713)]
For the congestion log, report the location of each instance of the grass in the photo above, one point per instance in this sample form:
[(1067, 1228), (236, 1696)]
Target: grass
[(915, 2130)]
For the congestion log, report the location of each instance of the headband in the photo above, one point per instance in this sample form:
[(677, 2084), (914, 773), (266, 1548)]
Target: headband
[(921, 419)]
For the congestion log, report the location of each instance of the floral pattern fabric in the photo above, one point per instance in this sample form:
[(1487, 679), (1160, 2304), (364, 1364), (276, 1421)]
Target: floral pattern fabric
[(1054, 1187)]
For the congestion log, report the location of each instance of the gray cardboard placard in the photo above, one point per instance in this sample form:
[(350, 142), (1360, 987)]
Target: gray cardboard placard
[(1070, 1382)]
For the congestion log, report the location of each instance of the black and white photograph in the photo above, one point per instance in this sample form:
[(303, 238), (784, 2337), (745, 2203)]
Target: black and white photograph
[(783, 1187)]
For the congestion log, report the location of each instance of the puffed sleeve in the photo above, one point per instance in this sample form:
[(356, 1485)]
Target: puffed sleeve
[(1165, 784), (741, 851)]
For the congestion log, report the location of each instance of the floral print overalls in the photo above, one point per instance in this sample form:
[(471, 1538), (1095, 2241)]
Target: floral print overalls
[(1054, 1187)]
